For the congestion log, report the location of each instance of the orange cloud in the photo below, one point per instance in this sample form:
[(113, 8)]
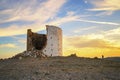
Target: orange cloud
[(89, 47), (80, 42), (105, 5)]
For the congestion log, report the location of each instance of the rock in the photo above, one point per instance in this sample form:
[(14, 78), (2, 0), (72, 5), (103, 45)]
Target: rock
[(20, 58), (33, 53)]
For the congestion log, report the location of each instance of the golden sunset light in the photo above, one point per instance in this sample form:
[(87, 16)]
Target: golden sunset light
[(90, 28)]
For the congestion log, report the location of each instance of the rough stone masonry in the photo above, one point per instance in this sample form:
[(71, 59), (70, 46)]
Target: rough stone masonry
[(50, 44)]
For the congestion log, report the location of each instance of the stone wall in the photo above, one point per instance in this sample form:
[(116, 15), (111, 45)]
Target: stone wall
[(54, 42), (36, 41)]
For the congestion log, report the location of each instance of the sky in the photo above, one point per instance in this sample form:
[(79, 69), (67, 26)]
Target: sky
[(91, 28)]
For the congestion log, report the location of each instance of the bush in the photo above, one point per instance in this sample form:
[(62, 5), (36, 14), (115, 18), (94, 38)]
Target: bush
[(96, 58)]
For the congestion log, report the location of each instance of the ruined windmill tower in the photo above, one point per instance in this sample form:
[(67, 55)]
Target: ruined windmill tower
[(49, 44)]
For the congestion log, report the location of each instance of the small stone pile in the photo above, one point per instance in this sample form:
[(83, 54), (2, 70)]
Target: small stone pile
[(33, 53)]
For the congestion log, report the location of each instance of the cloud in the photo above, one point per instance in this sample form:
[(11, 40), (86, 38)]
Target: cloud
[(105, 13), (8, 45), (109, 35), (20, 39), (105, 5), (43, 13), (81, 42), (84, 29), (113, 36), (85, 2), (98, 22), (58, 21), (17, 30), (33, 11), (29, 12), (13, 13), (109, 39), (94, 44), (86, 42)]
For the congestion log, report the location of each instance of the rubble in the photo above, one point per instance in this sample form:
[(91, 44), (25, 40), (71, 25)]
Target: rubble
[(33, 53)]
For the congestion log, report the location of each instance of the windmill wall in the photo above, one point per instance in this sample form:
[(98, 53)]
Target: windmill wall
[(50, 43)]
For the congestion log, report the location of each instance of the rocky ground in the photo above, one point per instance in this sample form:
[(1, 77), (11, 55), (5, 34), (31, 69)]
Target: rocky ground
[(59, 68)]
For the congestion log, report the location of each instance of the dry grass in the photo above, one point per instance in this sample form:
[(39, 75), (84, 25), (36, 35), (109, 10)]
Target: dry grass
[(59, 68)]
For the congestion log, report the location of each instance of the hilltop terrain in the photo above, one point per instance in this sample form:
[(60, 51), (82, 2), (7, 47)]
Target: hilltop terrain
[(59, 68)]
